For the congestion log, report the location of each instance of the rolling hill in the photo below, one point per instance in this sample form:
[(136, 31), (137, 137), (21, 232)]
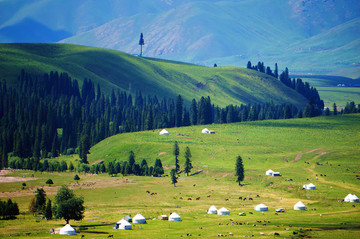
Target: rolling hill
[(117, 70), (307, 36)]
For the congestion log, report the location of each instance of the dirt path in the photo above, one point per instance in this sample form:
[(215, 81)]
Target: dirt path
[(298, 157)]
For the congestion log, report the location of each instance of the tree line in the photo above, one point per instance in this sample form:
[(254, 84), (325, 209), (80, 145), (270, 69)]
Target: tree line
[(46, 116)]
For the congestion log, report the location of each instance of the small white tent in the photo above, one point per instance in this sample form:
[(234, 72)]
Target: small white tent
[(164, 132), (67, 230), (174, 217), (354, 198), (223, 211), (309, 186), (261, 207), (348, 197), (299, 206), (140, 219), (124, 225), (212, 210), (269, 172), (205, 131)]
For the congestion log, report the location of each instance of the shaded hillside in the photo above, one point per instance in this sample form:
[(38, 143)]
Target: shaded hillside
[(117, 70)]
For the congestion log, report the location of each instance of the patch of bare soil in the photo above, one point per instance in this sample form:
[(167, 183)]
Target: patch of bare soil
[(161, 153), (298, 157), (97, 161)]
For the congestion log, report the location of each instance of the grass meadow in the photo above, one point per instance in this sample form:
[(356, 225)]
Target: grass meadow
[(302, 150)]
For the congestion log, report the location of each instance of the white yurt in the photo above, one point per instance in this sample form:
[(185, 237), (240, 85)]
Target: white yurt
[(174, 217), (269, 172), (299, 206), (67, 230), (354, 198), (139, 219), (164, 132), (261, 207), (347, 198), (309, 186), (223, 211), (205, 131), (124, 225), (212, 210)]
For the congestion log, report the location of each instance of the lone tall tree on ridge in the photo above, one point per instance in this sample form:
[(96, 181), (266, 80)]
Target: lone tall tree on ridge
[(141, 43)]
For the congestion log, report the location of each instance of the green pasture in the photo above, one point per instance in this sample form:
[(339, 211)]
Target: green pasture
[(117, 70), (302, 150)]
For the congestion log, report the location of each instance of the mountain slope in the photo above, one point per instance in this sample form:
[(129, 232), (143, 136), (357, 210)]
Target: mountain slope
[(204, 32), (117, 70)]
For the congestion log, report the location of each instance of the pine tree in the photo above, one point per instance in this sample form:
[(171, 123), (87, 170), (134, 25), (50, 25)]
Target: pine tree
[(131, 161), (193, 112), (179, 111), (84, 148), (335, 109), (48, 210), (173, 177), (239, 170), (187, 166), (141, 43), (77, 178), (40, 200), (176, 153), (111, 169), (276, 71)]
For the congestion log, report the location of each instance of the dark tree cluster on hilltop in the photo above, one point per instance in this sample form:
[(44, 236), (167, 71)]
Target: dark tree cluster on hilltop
[(315, 104)]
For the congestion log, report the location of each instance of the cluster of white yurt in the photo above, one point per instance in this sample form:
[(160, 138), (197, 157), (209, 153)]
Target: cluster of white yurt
[(212, 210), (269, 172), (174, 217), (164, 132), (261, 207), (139, 219), (309, 186), (67, 230), (299, 206), (351, 198), (223, 211)]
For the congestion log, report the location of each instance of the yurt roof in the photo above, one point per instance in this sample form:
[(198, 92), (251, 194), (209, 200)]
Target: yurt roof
[(174, 215), (354, 196), (123, 222), (299, 204), (213, 208), (138, 216), (67, 228), (261, 205), (269, 171), (311, 185), (223, 209)]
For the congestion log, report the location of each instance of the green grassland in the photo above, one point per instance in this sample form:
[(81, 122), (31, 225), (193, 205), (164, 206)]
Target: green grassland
[(292, 147), (330, 93), (117, 70)]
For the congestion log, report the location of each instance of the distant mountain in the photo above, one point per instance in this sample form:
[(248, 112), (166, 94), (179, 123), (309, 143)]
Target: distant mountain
[(318, 36), (117, 70)]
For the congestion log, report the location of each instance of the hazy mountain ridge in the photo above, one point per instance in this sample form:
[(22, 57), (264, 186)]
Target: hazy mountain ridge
[(205, 32)]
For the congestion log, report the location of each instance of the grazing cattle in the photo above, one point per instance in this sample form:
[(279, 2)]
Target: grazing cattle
[(180, 198), (208, 196), (257, 196), (250, 199), (240, 198), (147, 191), (276, 213), (276, 234), (230, 234), (82, 236), (194, 185), (189, 199), (198, 198), (250, 212), (244, 199), (226, 199), (111, 235)]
